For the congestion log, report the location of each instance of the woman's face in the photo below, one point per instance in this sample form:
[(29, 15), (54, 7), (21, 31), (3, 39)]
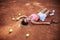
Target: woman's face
[(26, 19)]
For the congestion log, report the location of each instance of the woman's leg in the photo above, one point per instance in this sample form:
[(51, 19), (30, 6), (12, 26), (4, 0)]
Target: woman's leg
[(45, 9), (47, 12), (40, 23)]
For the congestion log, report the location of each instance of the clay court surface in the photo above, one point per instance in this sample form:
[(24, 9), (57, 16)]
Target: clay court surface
[(11, 8)]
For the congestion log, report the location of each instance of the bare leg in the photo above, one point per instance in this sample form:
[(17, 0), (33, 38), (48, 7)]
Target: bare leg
[(43, 10), (37, 23), (47, 12)]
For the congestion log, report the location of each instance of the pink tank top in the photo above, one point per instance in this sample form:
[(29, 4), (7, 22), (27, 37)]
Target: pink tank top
[(34, 17)]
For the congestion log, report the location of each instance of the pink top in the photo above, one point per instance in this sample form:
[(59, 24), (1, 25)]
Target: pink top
[(34, 17)]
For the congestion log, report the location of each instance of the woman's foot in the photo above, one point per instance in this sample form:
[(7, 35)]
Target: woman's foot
[(55, 21)]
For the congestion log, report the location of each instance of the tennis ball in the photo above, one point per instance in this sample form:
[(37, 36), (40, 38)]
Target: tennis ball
[(13, 18), (27, 35), (10, 30)]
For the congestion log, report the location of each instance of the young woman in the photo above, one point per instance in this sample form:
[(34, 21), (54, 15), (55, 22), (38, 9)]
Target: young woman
[(33, 18)]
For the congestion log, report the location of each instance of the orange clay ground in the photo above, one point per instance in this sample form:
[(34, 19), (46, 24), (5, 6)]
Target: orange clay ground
[(11, 8)]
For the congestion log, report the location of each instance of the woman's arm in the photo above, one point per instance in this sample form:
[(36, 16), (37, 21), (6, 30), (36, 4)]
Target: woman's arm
[(20, 17)]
